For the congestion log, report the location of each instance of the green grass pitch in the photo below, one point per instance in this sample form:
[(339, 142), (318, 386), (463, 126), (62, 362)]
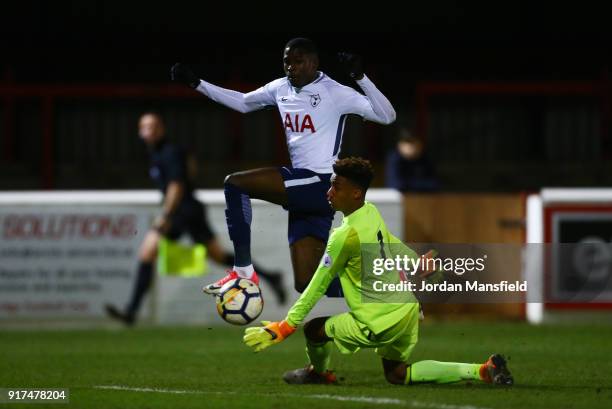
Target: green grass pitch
[(553, 366)]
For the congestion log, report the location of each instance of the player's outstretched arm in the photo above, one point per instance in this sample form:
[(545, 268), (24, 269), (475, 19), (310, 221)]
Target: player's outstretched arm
[(260, 338), (336, 256), (341, 244), (380, 109), (235, 100)]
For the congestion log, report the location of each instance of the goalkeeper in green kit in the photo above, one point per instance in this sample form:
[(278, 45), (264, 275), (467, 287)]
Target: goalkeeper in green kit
[(390, 328)]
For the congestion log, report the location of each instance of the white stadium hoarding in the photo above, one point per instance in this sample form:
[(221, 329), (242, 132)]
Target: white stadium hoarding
[(572, 271), (64, 255), (63, 261)]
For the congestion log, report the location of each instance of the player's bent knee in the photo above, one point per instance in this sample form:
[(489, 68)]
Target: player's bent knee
[(237, 180), (148, 249), (310, 330), (314, 330), (147, 255), (229, 179)]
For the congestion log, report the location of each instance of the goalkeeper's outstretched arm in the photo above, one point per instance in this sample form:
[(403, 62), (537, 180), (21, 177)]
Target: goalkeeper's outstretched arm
[(335, 258)]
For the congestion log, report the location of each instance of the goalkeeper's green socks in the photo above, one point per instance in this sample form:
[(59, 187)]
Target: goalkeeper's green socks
[(319, 355), (442, 372)]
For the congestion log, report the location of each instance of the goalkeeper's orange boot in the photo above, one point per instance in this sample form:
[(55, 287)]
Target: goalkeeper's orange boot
[(496, 371), (213, 288), (308, 375)]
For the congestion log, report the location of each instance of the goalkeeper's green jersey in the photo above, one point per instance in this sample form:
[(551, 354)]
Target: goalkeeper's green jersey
[(343, 257)]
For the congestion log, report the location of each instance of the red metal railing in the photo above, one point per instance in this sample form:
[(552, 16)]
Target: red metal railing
[(50, 94)]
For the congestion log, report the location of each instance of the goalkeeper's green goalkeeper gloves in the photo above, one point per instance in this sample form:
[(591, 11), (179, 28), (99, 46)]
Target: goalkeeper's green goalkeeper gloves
[(259, 338)]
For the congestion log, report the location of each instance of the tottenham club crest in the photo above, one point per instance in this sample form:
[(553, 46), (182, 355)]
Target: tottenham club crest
[(315, 100)]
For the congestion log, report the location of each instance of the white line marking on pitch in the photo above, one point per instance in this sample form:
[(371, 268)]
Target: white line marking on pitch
[(360, 399), (159, 390)]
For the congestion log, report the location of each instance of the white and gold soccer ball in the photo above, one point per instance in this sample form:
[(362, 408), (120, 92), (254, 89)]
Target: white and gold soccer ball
[(239, 301)]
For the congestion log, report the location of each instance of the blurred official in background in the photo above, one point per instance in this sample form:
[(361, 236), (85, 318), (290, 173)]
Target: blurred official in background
[(174, 171)]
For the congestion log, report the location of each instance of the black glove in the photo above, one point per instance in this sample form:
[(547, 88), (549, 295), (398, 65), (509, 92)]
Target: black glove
[(183, 74), (352, 64)]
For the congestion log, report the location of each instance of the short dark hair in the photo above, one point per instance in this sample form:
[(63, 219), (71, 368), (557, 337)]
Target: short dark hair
[(357, 170), (304, 44)]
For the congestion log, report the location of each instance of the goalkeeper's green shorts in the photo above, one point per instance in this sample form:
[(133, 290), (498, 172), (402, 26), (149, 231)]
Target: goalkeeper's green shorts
[(395, 343)]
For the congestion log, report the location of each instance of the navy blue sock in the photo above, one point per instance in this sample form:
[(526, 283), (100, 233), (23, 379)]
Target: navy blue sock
[(143, 282), (239, 215)]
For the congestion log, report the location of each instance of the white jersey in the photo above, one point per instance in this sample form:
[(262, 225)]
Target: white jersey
[(313, 116)]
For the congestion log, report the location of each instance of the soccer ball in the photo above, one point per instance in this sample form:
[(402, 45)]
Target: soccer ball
[(239, 301)]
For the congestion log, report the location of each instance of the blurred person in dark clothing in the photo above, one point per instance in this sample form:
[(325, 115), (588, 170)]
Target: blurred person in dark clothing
[(173, 172), (409, 167)]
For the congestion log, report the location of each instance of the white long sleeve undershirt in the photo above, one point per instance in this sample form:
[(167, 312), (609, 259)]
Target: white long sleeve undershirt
[(235, 100), (381, 107)]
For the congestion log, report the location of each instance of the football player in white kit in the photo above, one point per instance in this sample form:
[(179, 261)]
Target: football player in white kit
[(313, 110)]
